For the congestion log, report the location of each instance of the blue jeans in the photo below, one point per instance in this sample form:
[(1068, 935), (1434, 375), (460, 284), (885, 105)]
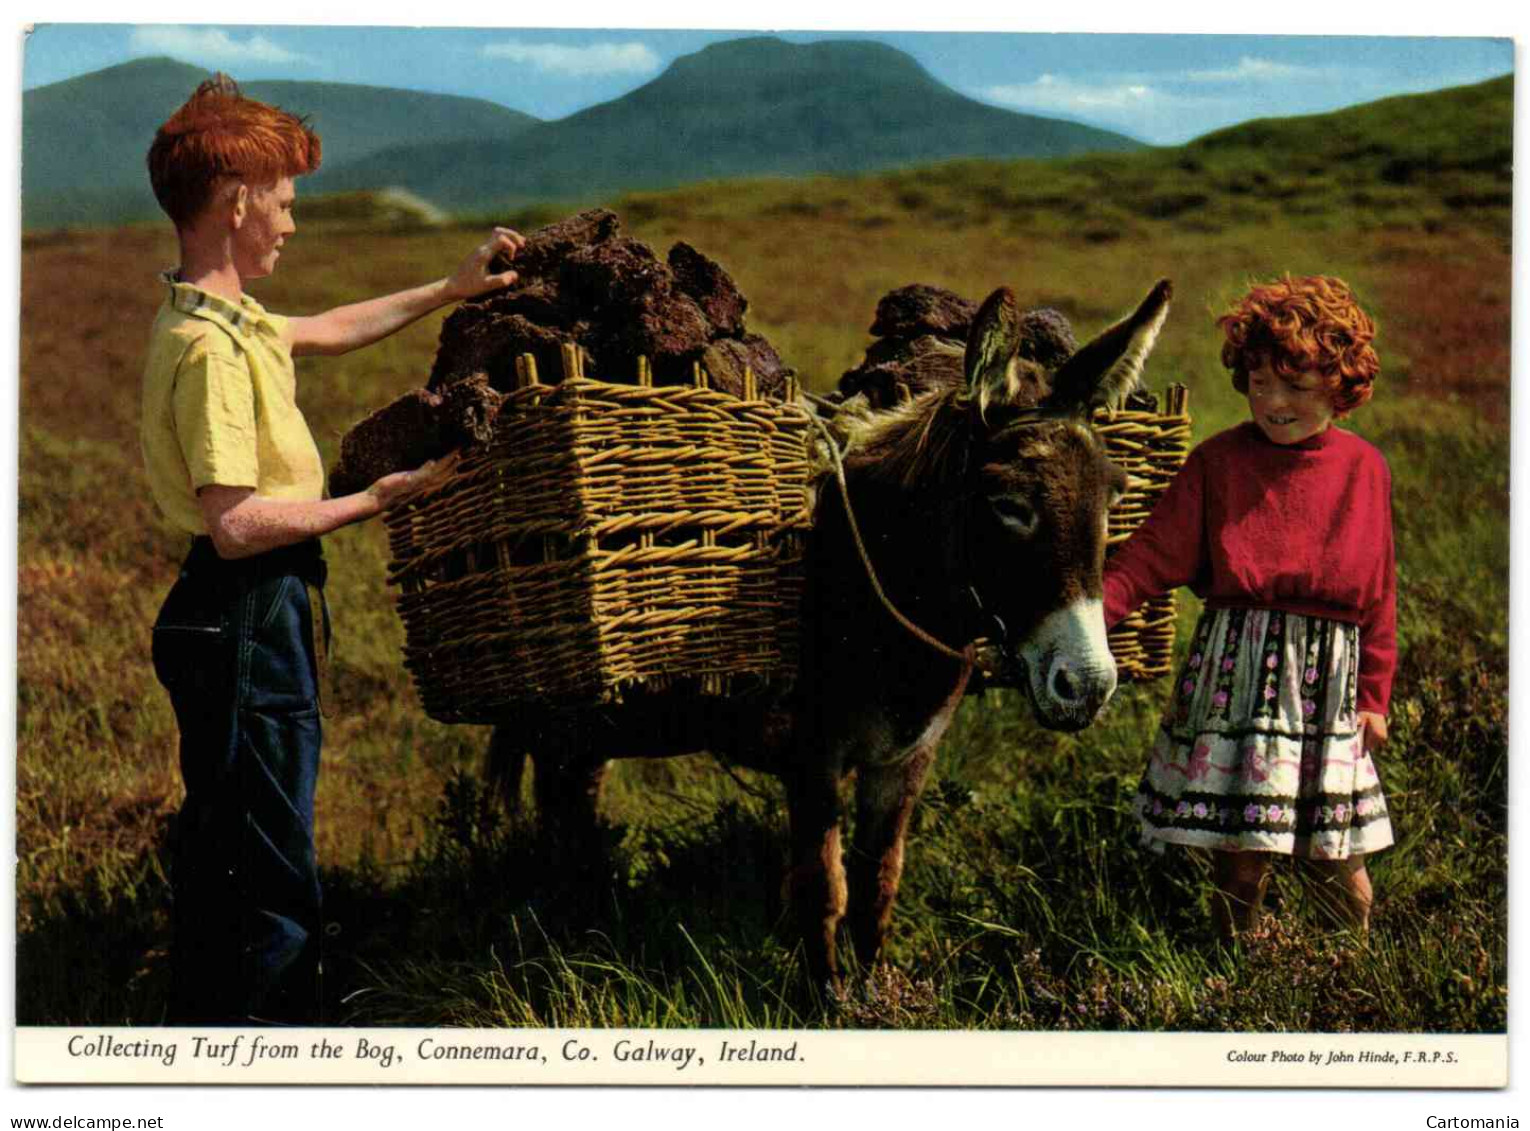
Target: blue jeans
[(236, 646)]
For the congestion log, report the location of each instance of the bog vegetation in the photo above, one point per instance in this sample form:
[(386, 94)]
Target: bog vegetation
[(1027, 903)]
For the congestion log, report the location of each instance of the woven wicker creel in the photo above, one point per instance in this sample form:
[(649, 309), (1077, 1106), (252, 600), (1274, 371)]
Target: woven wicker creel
[(613, 537), (609, 537), (1151, 447)]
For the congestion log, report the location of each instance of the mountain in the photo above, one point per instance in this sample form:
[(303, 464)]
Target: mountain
[(83, 141), (745, 107), (748, 107)]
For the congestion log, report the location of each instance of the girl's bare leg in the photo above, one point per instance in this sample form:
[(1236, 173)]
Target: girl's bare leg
[(1343, 890), (1240, 878)]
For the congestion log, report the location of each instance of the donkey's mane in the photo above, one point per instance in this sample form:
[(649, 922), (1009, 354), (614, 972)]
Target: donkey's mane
[(922, 439), (926, 439)]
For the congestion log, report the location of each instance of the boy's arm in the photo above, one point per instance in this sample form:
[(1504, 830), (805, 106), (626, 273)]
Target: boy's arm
[(241, 524), (346, 328)]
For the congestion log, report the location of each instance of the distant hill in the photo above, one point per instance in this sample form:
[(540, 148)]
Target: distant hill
[(83, 140), (1395, 139), (1411, 160), (745, 107), (757, 106), (1423, 162)]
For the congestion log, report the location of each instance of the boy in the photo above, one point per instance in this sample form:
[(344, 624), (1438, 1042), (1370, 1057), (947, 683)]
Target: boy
[(240, 640)]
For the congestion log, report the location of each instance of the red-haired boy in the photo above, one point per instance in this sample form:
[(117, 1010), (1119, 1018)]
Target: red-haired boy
[(241, 637)]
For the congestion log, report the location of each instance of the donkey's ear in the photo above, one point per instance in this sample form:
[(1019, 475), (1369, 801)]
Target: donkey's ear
[(992, 343), (1105, 370)]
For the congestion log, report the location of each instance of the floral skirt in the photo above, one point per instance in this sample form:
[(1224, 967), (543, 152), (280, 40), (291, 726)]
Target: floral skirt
[(1260, 748)]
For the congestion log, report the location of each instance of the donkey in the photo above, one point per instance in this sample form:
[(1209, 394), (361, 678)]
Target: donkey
[(982, 504)]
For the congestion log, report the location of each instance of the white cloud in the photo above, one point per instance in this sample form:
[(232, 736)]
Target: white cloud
[(578, 62), (1144, 109), (1255, 70), (1168, 107), (1052, 94), (210, 45)]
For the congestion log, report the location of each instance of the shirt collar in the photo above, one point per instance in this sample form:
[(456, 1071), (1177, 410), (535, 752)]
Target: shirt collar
[(243, 317)]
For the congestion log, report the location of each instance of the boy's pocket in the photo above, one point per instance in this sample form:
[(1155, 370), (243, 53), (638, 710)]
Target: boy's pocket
[(281, 673), (274, 594), (190, 651)]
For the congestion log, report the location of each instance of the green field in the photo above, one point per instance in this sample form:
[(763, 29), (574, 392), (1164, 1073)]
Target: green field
[(1026, 903)]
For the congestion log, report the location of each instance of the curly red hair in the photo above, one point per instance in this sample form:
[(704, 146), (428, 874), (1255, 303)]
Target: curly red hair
[(220, 133), (1303, 325)]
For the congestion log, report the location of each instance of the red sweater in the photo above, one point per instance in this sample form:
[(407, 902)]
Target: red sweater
[(1305, 528)]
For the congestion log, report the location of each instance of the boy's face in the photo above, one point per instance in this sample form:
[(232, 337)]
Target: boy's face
[(266, 225), (1288, 412)]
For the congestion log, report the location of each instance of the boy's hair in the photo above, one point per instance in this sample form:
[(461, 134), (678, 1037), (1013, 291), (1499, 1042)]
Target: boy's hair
[(220, 133), (1301, 324)]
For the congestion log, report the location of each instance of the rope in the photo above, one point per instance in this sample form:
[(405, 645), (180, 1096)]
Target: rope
[(965, 656)]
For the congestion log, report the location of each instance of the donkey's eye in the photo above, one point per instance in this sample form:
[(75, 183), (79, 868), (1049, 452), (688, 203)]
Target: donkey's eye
[(1015, 513)]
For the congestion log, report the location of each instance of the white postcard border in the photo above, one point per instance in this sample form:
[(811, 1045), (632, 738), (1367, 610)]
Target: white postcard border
[(761, 1058)]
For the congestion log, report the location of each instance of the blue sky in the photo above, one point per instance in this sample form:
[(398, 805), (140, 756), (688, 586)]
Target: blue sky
[(1160, 88)]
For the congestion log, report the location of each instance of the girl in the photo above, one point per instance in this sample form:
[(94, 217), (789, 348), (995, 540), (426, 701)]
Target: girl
[(1283, 526)]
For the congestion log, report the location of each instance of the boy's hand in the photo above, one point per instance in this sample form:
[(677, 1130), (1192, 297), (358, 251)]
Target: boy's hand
[(473, 277), (1373, 730), (391, 490)]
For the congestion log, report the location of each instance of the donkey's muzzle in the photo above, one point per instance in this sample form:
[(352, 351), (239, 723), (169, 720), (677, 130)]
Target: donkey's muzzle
[(1070, 672), (1074, 693)]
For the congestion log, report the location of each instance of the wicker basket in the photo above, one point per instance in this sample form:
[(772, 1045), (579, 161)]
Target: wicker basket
[(609, 537), (1150, 446)]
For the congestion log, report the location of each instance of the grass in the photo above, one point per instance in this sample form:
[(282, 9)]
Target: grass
[(1026, 903)]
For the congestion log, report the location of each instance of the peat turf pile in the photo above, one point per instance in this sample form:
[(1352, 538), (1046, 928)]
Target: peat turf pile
[(582, 282), (921, 334)]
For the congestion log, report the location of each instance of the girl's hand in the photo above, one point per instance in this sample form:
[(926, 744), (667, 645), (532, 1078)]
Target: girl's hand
[(1373, 730), (472, 276), (391, 490)]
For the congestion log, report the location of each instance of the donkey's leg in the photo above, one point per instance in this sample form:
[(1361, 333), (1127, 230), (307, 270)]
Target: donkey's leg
[(818, 875), (569, 770), (506, 765), (568, 795), (885, 799), (886, 794)]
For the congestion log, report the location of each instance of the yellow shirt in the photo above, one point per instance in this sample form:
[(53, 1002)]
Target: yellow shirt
[(219, 405)]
